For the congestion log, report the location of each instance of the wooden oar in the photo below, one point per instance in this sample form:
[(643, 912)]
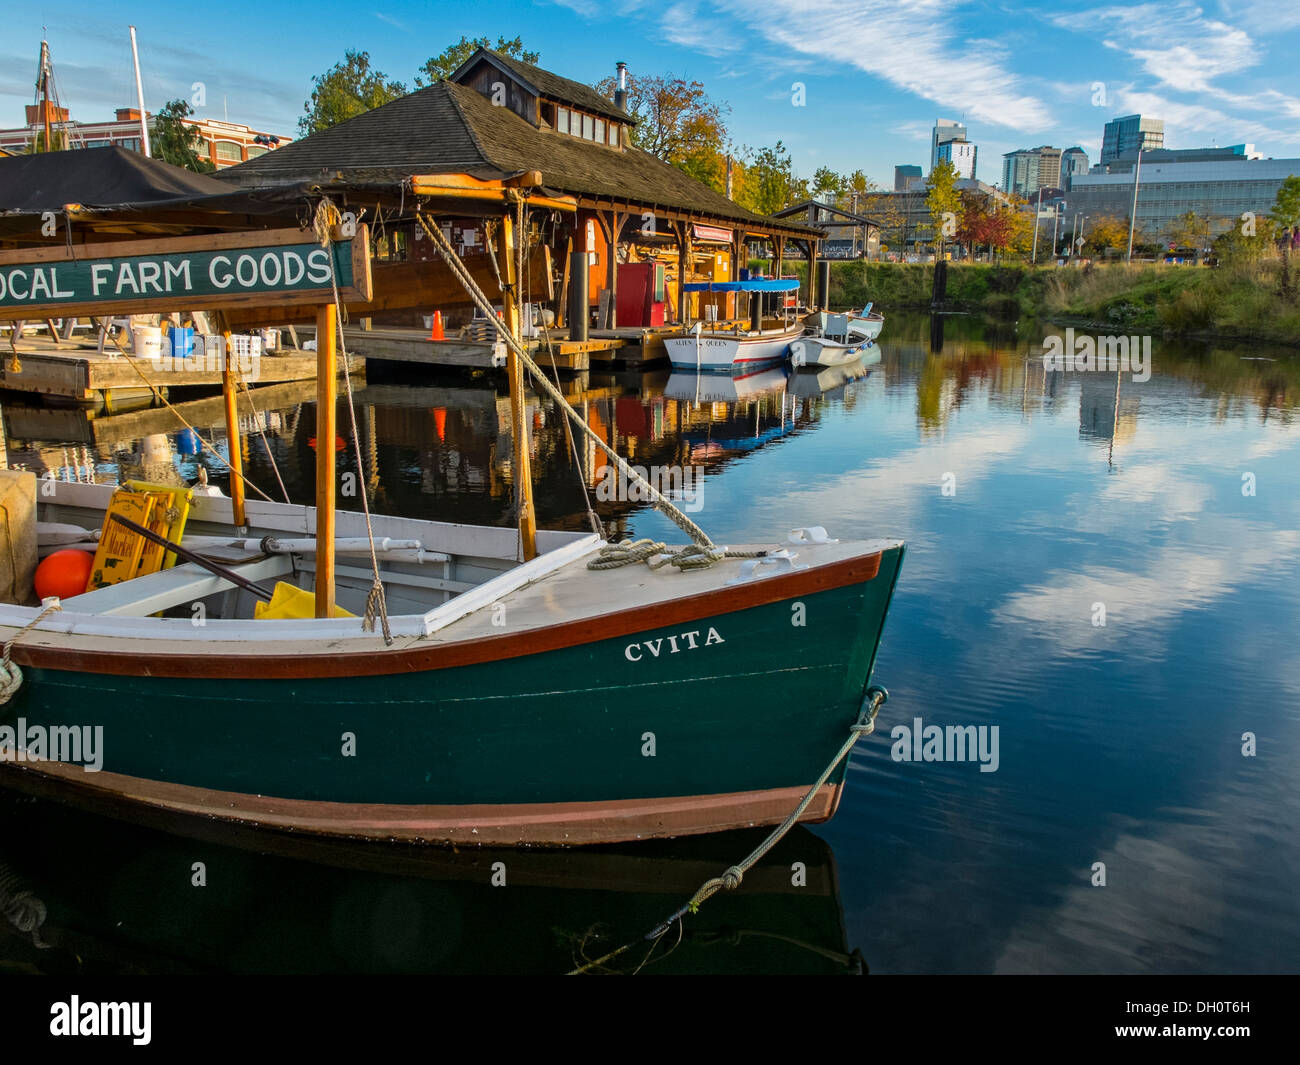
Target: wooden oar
[(190, 556)]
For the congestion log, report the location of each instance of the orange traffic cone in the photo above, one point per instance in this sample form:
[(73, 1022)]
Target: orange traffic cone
[(437, 333)]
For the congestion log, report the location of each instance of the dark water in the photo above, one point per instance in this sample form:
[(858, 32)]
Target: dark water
[(1028, 500)]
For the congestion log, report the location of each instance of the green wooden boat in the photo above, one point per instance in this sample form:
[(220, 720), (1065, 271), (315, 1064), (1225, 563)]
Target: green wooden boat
[(520, 703)]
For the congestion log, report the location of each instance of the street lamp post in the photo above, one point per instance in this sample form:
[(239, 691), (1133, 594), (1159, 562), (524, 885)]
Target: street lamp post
[(1132, 215)]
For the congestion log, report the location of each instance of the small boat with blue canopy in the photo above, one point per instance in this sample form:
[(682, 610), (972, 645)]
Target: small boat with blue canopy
[(720, 346)]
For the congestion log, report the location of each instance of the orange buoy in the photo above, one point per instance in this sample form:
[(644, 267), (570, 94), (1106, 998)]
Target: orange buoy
[(65, 573), (436, 332)]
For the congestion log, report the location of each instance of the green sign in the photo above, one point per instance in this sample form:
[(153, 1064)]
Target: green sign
[(277, 267), (296, 268)]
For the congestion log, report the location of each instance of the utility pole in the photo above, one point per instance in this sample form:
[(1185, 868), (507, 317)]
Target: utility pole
[(1055, 223), (1038, 206), (1132, 215)]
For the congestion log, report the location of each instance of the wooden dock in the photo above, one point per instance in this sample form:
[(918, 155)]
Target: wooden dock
[(76, 370), (414, 346), (80, 425), (640, 345)]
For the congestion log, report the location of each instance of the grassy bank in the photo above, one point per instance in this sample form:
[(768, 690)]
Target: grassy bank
[(1243, 302)]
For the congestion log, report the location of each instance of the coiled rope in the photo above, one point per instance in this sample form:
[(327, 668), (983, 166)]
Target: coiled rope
[(696, 556), (21, 907), (11, 677), (661, 502), (874, 699)]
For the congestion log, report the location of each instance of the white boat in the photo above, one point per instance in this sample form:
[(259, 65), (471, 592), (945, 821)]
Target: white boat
[(815, 351), (714, 348), (866, 322), (838, 339), (738, 349)]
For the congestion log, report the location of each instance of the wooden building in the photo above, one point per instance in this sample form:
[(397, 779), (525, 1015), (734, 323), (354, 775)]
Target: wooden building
[(497, 119)]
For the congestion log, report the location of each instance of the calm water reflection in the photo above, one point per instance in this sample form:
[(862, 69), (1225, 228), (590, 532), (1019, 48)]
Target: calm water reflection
[(1119, 743)]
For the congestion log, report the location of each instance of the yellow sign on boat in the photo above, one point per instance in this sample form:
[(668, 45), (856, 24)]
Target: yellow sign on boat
[(123, 554)]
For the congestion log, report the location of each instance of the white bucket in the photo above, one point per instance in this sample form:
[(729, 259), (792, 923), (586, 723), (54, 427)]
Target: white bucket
[(270, 339), (146, 340)]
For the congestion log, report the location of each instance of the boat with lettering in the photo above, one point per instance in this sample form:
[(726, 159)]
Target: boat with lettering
[(305, 669), (716, 346)]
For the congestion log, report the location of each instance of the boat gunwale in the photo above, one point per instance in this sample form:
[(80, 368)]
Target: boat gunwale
[(419, 655)]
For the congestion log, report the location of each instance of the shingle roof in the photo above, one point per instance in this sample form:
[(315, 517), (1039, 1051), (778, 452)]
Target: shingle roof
[(449, 128), (548, 84)]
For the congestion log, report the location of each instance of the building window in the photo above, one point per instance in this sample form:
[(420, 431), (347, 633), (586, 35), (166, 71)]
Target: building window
[(254, 150), (613, 135), (600, 130), (588, 128), (99, 144), (229, 152), (562, 120)]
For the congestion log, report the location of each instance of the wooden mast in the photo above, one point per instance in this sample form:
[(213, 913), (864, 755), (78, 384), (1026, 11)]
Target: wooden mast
[(45, 94), (232, 434), (326, 395), (520, 463)]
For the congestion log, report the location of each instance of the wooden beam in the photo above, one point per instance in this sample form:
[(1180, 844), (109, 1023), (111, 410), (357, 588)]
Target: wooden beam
[(326, 395), (521, 464), (404, 286)]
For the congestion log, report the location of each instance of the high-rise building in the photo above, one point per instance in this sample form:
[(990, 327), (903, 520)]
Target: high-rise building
[(1027, 170), (961, 154), (1130, 134), (1073, 161), (945, 130), (907, 176)]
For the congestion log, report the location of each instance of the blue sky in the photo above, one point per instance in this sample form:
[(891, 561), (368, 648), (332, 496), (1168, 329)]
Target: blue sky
[(875, 74)]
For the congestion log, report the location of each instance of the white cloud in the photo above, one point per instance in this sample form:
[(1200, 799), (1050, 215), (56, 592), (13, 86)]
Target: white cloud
[(912, 44), (1176, 44)]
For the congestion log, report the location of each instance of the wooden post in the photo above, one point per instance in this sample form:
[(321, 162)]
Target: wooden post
[(326, 395), (520, 463), (228, 391), (683, 265), (615, 227)]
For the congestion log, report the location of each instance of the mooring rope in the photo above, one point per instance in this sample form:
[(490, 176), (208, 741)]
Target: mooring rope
[(660, 501), (197, 436), (731, 879), (11, 677), (258, 425)]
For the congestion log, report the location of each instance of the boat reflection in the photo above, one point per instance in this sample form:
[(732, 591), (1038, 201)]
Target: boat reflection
[(84, 894)]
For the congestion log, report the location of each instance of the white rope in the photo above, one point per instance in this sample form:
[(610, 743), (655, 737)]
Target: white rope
[(11, 677), (731, 879), (467, 281)]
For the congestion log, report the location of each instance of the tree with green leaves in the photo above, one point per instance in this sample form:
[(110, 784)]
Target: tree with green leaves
[(827, 186), (347, 89), (1247, 242), (943, 202), (770, 182), (58, 138), (675, 118), (1286, 209), (449, 60), (176, 141)]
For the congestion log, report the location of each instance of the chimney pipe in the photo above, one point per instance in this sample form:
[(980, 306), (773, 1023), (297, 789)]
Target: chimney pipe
[(620, 94)]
